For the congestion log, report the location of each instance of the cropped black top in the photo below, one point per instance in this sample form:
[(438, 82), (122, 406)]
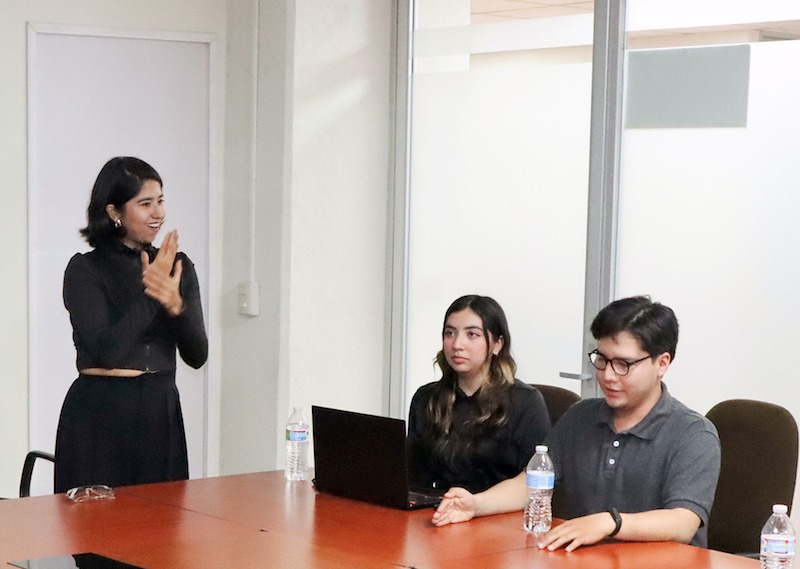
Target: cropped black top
[(115, 325)]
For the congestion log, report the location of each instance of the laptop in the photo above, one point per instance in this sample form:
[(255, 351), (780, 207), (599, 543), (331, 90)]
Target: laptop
[(363, 457)]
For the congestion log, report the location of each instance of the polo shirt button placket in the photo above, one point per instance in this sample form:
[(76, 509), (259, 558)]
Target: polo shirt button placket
[(612, 460)]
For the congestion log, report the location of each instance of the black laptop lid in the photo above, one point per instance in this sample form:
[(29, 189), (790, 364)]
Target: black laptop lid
[(360, 456)]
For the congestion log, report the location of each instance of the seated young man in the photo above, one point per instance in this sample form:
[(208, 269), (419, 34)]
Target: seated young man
[(636, 464)]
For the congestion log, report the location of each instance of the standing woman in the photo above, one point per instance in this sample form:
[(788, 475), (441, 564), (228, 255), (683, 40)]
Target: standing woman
[(477, 425), (130, 305)]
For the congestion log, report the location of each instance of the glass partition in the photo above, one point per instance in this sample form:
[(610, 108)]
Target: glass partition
[(708, 192), (499, 154)]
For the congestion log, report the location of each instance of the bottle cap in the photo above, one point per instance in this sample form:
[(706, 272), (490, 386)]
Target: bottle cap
[(541, 448), (779, 509)]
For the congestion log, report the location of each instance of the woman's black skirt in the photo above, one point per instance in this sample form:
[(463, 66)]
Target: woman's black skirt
[(121, 431)]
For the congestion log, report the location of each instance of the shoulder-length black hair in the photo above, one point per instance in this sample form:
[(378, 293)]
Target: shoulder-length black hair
[(118, 182)]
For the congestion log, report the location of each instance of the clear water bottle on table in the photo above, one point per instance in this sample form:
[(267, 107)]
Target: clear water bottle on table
[(296, 446), (540, 479), (777, 540)]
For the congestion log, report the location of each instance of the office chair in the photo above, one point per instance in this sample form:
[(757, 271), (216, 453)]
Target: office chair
[(27, 470), (759, 468), (557, 399)]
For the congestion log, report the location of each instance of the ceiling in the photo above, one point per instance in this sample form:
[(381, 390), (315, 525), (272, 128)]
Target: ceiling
[(486, 11)]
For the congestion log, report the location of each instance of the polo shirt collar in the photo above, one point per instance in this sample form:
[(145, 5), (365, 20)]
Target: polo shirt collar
[(648, 427)]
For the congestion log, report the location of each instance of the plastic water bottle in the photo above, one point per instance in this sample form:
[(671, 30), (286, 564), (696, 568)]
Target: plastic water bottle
[(777, 540), (296, 446), (540, 478)]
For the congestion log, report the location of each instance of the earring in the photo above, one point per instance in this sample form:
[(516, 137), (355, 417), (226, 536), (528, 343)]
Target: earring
[(118, 223)]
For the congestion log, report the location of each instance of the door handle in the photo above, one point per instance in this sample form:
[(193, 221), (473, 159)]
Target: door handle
[(578, 376)]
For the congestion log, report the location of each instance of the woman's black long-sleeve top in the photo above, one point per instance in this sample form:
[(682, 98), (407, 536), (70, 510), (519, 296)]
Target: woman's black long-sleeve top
[(469, 459), (116, 325)]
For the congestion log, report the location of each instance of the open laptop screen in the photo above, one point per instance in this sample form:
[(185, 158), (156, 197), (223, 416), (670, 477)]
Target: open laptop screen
[(362, 457)]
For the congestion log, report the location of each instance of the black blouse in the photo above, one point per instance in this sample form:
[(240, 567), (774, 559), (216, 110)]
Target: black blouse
[(466, 459), (116, 325)]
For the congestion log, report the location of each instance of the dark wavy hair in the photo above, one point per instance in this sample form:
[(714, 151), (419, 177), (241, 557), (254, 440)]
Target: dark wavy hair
[(119, 181), (494, 396), (651, 323)]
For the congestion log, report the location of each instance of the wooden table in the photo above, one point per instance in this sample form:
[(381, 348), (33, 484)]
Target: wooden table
[(260, 520)]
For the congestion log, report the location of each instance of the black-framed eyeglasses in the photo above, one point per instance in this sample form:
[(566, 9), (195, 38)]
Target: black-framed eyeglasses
[(620, 366)]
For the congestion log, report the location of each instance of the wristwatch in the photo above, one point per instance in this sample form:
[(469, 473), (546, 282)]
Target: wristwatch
[(617, 521)]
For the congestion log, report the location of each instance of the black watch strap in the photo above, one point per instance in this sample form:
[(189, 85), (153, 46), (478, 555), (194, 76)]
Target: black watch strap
[(617, 521)]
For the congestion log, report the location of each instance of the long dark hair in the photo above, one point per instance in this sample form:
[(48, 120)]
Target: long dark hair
[(119, 181), (494, 395)]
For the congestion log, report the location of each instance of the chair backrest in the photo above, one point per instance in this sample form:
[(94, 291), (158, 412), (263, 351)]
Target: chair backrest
[(27, 470), (557, 400), (759, 469)]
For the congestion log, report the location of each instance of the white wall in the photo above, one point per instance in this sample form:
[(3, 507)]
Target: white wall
[(321, 179), (251, 345), (339, 178)]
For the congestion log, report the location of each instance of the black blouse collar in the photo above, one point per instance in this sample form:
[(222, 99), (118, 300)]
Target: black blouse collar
[(121, 248)]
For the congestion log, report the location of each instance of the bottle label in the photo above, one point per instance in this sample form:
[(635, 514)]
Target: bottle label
[(300, 435), (777, 544), (540, 479)]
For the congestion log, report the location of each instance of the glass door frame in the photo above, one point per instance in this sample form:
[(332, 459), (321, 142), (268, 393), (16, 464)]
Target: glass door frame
[(604, 167)]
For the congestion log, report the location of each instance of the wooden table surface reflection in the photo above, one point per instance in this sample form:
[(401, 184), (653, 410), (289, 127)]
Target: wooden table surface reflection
[(261, 520)]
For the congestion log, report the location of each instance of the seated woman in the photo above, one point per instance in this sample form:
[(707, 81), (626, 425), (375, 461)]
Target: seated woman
[(477, 425)]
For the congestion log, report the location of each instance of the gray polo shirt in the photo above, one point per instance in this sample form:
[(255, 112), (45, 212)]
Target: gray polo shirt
[(670, 459)]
